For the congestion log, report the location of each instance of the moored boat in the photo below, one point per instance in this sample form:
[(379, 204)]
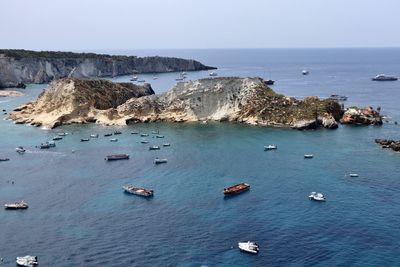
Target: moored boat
[(305, 72), (94, 136), (16, 205), (159, 136), (56, 138), (236, 189), (51, 143), (154, 148), (144, 135), (134, 132), (85, 139), (144, 142), (113, 140), (138, 191), (353, 174), (4, 159), (44, 146), (316, 196), (250, 247), (338, 97), (160, 161), (270, 147), (117, 157), (308, 156), (166, 144), (20, 150), (269, 82), (383, 77), (62, 134), (117, 132), (108, 134), (27, 261), (213, 74)]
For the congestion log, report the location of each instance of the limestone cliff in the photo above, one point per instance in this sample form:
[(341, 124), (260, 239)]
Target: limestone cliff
[(247, 100), (22, 66)]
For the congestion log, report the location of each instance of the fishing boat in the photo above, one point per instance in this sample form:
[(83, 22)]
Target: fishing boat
[(117, 157), (316, 196), (308, 156), (166, 144), (108, 134), (154, 148), (4, 159), (56, 138), (250, 247), (305, 72), (383, 77), (20, 150), (113, 140), (236, 189), (159, 136), (160, 161), (27, 261), (138, 191), (270, 147), (16, 206), (85, 139), (117, 132), (94, 136)]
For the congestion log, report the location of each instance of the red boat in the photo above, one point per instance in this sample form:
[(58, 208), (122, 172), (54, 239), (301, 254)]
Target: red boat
[(236, 189)]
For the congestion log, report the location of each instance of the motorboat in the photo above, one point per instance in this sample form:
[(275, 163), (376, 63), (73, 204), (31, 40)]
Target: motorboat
[(134, 78), (4, 159), (108, 134), (135, 132), (383, 77), (20, 150), (116, 157), (144, 135), (236, 189), (21, 205), (213, 74), (56, 138), (308, 156), (113, 140), (179, 79), (85, 139), (305, 72), (159, 136), (353, 174), (316, 196), (270, 147), (51, 143), (154, 148), (166, 144), (141, 81), (117, 132), (94, 136), (250, 247), (160, 161), (44, 146), (27, 260), (62, 134), (144, 142), (155, 132), (138, 191)]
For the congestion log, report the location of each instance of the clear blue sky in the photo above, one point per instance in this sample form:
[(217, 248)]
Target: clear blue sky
[(147, 24)]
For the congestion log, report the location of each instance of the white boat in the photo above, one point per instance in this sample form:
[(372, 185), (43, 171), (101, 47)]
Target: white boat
[(113, 140), (154, 148), (62, 134), (94, 136), (134, 78), (270, 147), (144, 134), (20, 150), (250, 247), (16, 206), (135, 132), (138, 191), (383, 77), (160, 161), (27, 261), (305, 72), (316, 196), (353, 174), (308, 156), (51, 143), (144, 142), (166, 144), (159, 136), (213, 74)]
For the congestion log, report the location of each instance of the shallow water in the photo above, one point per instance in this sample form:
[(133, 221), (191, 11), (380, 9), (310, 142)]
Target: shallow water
[(78, 214)]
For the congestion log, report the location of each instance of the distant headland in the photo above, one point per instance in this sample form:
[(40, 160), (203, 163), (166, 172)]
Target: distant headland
[(18, 67)]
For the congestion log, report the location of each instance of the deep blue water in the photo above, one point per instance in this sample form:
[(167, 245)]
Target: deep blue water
[(79, 216)]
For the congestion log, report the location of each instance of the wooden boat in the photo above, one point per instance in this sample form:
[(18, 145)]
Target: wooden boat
[(16, 206), (138, 191), (236, 189), (117, 157)]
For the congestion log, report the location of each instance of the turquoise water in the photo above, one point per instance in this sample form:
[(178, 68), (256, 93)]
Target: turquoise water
[(78, 214)]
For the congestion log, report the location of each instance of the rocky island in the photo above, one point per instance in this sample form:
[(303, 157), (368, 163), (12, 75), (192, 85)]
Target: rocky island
[(244, 100), (18, 67), (389, 143)]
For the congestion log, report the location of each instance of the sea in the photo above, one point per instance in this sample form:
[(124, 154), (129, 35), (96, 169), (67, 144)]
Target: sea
[(78, 214)]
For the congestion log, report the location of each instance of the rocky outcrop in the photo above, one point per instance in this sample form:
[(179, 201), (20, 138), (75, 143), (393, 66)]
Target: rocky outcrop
[(366, 116), (245, 100), (18, 67), (4, 93), (388, 143), (71, 100)]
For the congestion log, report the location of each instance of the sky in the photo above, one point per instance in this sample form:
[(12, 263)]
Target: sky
[(193, 24)]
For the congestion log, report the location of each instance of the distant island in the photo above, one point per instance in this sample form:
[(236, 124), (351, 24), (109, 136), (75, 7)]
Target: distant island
[(18, 67), (245, 100)]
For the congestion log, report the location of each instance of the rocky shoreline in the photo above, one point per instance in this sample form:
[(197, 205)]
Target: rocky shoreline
[(18, 67), (388, 143), (243, 100), (10, 93)]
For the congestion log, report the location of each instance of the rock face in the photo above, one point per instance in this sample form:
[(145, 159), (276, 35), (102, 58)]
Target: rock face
[(18, 67), (387, 143), (71, 100), (246, 100), (367, 116)]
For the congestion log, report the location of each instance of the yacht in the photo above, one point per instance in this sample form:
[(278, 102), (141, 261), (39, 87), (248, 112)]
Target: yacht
[(20, 150), (160, 161), (308, 156), (250, 247), (27, 260), (16, 205), (213, 74), (270, 147), (383, 77), (138, 191), (316, 196), (305, 72)]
